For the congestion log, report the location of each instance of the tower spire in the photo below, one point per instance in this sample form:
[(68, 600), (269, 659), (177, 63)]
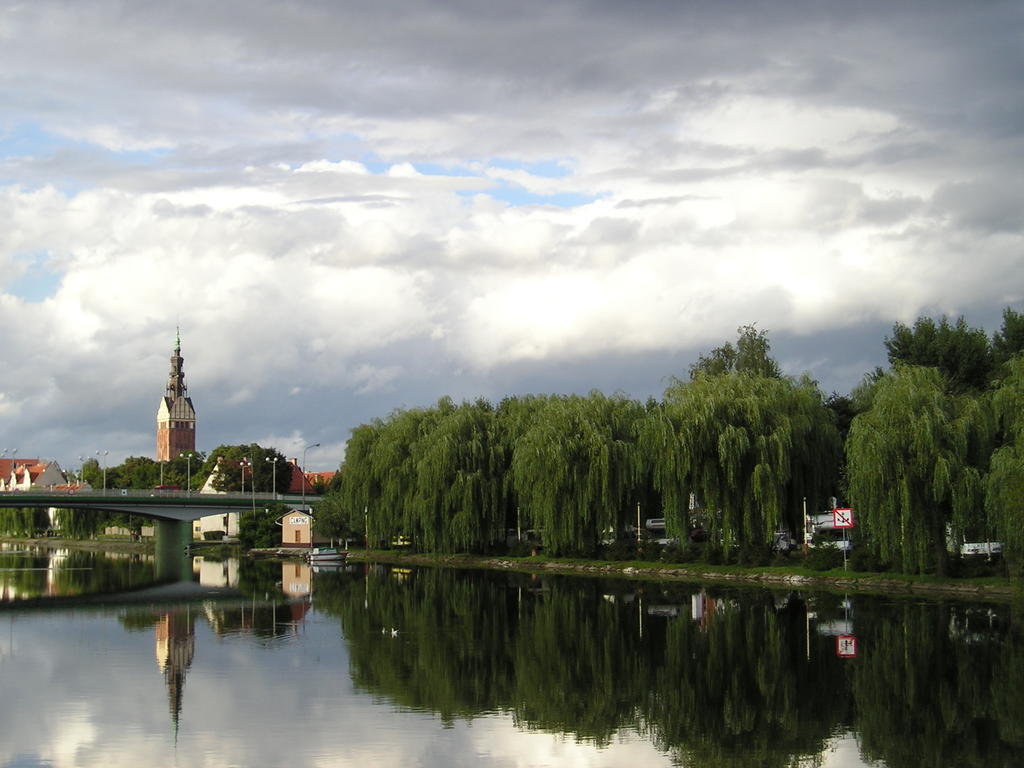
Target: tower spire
[(176, 418)]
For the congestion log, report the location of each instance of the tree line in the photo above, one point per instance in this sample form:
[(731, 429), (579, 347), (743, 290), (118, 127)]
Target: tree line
[(928, 452)]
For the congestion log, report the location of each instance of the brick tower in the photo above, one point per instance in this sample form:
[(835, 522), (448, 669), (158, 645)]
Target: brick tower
[(175, 418)]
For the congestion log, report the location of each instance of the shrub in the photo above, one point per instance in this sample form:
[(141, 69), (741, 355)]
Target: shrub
[(754, 554), (213, 535), (823, 559), (864, 560)]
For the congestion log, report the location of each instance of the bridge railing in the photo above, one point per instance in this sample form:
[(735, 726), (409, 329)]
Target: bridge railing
[(152, 492)]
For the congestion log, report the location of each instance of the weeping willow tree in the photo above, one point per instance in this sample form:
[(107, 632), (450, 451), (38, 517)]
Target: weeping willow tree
[(914, 462), (393, 466), (575, 467), (1005, 487), (26, 521), (460, 465), (749, 447)]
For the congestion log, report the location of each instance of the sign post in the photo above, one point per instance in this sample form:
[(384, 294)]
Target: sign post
[(842, 517)]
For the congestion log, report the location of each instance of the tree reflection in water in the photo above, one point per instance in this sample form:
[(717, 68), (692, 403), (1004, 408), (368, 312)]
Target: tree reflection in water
[(716, 678)]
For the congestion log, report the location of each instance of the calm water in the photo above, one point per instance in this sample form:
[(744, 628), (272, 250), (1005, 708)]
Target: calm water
[(270, 665)]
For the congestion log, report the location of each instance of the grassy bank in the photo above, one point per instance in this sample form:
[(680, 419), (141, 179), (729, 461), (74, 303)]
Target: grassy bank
[(780, 576)]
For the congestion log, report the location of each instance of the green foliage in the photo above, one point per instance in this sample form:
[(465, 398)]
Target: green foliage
[(82, 523), (260, 530), (1005, 483), (962, 354), (750, 355), (749, 447), (575, 467), (915, 463), (1008, 341), (737, 442), (823, 559), (251, 464), (26, 522)]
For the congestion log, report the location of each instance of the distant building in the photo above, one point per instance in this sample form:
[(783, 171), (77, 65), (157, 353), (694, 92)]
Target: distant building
[(175, 417), (319, 479), (23, 474)]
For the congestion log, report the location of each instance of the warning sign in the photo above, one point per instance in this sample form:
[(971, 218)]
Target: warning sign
[(846, 646), (842, 518)]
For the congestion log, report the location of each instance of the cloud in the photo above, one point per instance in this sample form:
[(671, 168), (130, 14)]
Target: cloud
[(349, 209)]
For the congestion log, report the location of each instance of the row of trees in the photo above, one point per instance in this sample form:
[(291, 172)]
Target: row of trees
[(927, 452), (747, 443), (264, 468)]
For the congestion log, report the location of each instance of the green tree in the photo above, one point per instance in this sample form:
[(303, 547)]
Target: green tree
[(915, 463), (233, 464), (1008, 341), (963, 354), (261, 530), (750, 355), (459, 469), (749, 447), (1004, 499), (574, 469)]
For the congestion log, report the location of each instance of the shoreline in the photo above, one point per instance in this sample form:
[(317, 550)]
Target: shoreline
[(767, 576), (771, 578)]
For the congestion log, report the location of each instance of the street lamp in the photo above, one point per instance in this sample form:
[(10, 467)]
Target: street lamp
[(273, 476), (104, 456), (243, 464), (81, 471), (303, 471), (188, 473), (252, 481)]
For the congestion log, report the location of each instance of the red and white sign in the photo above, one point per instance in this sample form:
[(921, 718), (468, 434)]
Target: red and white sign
[(842, 518), (846, 646)]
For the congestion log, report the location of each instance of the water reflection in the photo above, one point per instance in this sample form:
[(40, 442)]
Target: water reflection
[(712, 677), (441, 667)]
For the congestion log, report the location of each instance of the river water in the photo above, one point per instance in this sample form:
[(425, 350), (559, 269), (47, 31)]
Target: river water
[(268, 664)]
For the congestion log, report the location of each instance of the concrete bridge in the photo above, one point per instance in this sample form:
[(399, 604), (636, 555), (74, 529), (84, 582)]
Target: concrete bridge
[(171, 511), (158, 504)]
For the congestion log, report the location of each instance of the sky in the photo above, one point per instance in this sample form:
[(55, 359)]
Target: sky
[(352, 208)]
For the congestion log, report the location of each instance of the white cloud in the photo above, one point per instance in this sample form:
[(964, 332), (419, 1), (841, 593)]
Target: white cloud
[(253, 177)]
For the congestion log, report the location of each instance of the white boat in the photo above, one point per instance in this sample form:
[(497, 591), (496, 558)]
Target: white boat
[(326, 556)]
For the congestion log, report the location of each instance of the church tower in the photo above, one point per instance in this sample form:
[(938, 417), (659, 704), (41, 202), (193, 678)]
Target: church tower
[(175, 418)]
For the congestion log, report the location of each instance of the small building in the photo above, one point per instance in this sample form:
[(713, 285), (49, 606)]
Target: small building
[(296, 525)]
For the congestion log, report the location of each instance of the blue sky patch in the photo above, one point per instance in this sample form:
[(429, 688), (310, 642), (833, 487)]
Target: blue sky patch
[(31, 140), (38, 281), (514, 195), (547, 169)]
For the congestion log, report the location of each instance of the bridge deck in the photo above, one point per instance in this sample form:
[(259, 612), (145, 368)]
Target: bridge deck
[(155, 503)]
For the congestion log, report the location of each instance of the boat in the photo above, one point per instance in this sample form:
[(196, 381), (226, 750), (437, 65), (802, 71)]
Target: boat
[(326, 556)]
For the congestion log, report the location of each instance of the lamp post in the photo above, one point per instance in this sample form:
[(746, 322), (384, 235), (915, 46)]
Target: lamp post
[(252, 482), (243, 464), (302, 469), (188, 473), (273, 475), (103, 455)]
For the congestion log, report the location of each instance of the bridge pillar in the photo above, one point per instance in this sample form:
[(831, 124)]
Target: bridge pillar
[(173, 563)]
